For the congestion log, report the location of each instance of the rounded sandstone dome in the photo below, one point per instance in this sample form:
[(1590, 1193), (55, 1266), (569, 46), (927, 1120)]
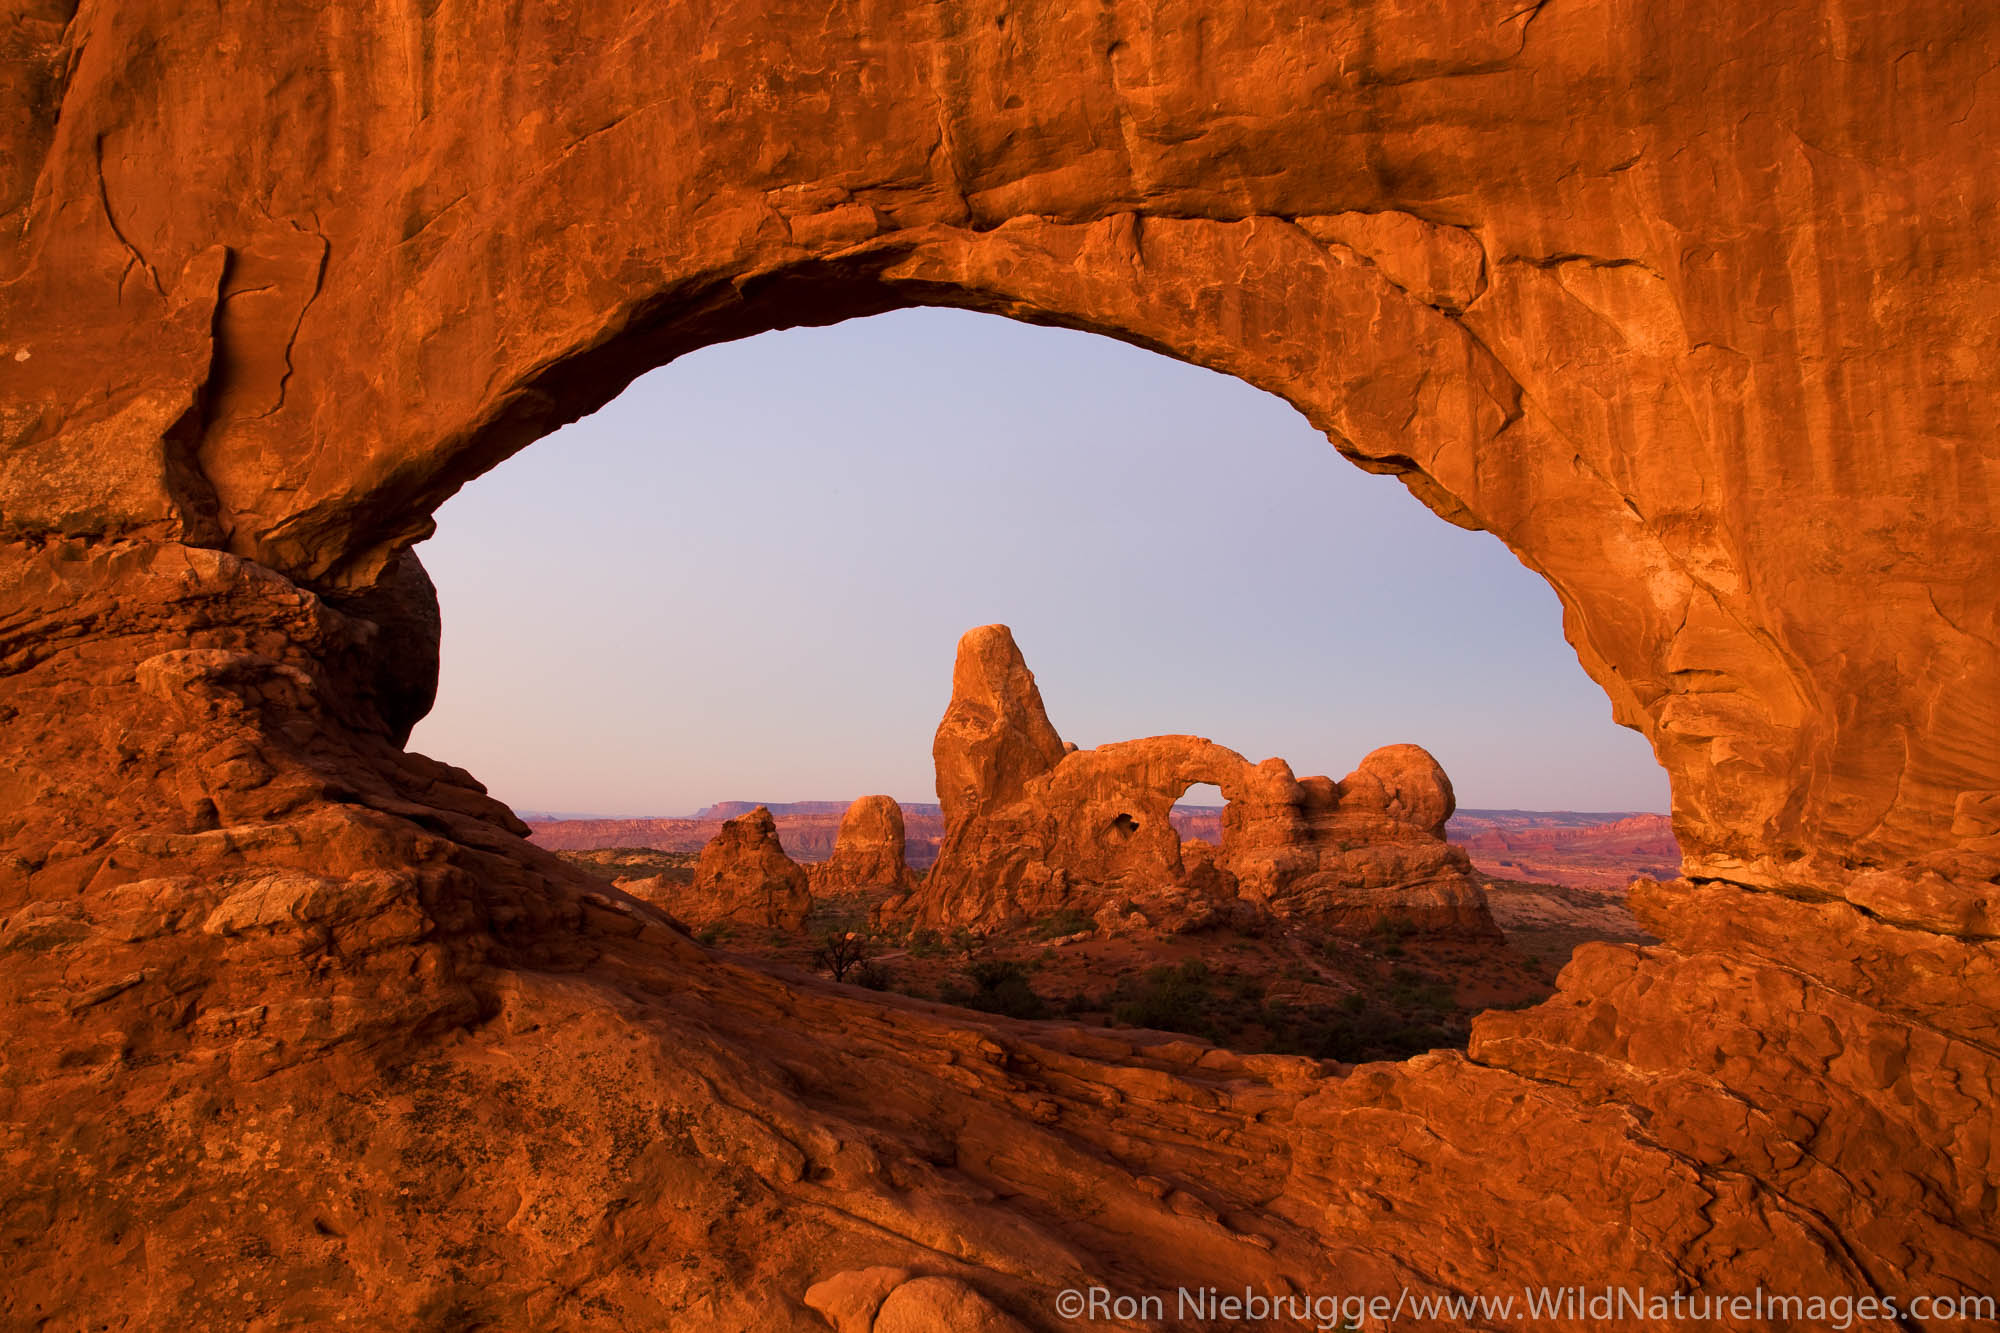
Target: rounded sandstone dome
[(1404, 782)]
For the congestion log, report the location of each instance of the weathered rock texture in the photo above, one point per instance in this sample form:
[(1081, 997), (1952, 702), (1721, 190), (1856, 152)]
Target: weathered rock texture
[(1452, 238), (1693, 304), (995, 737), (868, 853), (1033, 826), (745, 878)]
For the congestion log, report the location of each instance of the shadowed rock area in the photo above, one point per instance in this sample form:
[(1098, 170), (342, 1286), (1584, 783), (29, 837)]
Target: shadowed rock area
[(1690, 303)]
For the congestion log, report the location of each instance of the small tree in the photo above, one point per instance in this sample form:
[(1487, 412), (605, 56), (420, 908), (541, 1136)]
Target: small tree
[(968, 942), (840, 952)]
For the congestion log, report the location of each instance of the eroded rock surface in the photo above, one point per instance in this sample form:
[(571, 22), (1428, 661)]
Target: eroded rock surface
[(867, 852), (394, 1060), (1033, 828), (1688, 302), (995, 736), (744, 878), (1685, 341)]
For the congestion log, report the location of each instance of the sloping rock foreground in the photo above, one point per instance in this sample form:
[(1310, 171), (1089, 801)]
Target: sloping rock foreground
[(1034, 826), (386, 1061), (1687, 302)]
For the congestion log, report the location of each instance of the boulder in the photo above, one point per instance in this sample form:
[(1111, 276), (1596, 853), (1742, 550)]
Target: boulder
[(848, 1300), (942, 1305), (1404, 783)]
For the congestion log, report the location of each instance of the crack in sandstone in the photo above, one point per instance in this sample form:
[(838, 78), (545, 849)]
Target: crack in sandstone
[(111, 218)]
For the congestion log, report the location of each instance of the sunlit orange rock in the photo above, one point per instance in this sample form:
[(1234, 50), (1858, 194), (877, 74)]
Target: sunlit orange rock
[(1687, 302), (745, 878), (1031, 829), (867, 852), (995, 736)]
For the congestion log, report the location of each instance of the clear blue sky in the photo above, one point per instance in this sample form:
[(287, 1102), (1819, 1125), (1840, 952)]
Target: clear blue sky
[(744, 579)]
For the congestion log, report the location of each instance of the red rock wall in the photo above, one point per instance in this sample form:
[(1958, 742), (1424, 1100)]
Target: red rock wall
[(1699, 336), (1692, 304)]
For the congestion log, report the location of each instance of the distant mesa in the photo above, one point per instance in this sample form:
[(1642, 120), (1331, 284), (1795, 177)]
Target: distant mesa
[(731, 809), (1578, 851), (808, 830), (1034, 826)]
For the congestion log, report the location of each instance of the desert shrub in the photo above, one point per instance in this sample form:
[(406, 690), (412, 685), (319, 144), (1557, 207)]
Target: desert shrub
[(998, 987), (1410, 1013), (1063, 921), (1411, 989), (1193, 998), (1077, 1002), (847, 912), (841, 952), (1389, 934), (1176, 999), (1353, 1035), (1245, 990), (924, 943)]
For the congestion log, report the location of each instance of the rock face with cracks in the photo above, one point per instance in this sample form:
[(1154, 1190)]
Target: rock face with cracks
[(745, 878), (867, 851), (1690, 303), (1033, 827)]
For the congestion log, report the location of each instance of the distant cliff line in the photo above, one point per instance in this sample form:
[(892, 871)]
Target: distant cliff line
[(1596, 849)]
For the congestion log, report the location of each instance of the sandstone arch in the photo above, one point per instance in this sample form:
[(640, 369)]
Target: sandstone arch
[(1691, 306), (1035, 826), (1406, 284)]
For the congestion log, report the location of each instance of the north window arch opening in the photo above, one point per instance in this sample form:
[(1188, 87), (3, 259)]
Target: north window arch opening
[(771, 569)]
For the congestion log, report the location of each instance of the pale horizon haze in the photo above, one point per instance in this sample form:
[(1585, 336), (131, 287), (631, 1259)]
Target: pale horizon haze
[(745, 578)]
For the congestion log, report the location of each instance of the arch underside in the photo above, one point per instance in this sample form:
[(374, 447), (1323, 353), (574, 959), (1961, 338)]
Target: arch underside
[(1690, 312)]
